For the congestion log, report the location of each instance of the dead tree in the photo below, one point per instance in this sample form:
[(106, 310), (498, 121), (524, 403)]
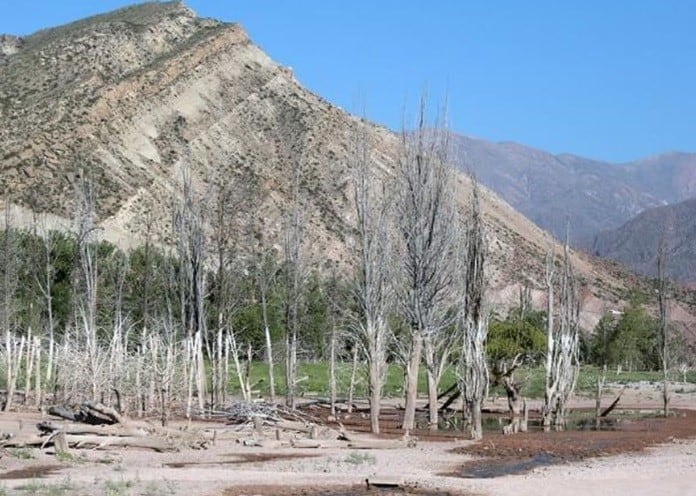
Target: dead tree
[(191, 244), (87, 297), (10, 282), (372, 288), (426, 212), (266, 272), (295, 275), (504, 375), (662, 335), (228, 212), (473, 368), (562, 341)]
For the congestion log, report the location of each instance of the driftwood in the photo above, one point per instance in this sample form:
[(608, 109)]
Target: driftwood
[(91, 413), (84, 429), (383, 483), (96, 426)]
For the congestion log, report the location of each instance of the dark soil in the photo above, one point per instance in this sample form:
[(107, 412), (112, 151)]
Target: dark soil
[(361, 490), (240, 458), (503, 455), (36, 472)]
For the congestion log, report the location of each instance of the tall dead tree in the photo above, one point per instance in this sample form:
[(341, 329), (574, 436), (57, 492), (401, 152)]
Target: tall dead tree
[(9, 253), (562, 340), (189, 233), (295, 276), (662, 335), (426, 212), (473, 369), (372, 285), (87, 297)]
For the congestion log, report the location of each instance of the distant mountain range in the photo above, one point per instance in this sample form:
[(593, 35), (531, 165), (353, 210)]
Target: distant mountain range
[(593, 196), (636, 242)]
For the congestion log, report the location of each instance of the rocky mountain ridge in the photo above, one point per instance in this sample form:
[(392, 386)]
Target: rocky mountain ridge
[(592, 195)]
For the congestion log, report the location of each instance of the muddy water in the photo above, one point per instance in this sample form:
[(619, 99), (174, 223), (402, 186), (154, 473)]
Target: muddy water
[(488, 469)]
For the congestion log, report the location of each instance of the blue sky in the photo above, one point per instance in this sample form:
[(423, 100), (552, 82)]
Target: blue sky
[(612, 80)]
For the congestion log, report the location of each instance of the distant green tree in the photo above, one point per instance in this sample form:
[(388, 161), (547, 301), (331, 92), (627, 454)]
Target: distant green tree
[(601, 339), (517, 334), (626, 340)]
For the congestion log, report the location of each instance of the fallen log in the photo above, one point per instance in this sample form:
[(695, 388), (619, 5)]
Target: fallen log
[(89, 413), (305, 443), (84, 429), (92, 442), (383, 483)]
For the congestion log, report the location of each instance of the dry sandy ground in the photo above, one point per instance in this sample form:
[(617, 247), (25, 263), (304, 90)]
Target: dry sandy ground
[(229, 468)]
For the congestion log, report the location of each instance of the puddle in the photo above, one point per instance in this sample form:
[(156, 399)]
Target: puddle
[(38, 472), (490, 468), (241, 459)]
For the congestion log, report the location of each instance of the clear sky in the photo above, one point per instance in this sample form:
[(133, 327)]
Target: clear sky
[(611, 79)]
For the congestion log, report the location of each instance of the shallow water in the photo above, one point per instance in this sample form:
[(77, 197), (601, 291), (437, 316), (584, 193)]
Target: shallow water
[(488, 469)]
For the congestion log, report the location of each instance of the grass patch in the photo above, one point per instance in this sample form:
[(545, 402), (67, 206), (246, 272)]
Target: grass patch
[(22, 453), (358, 458), (117, 487), (314, 379), (63, 488)]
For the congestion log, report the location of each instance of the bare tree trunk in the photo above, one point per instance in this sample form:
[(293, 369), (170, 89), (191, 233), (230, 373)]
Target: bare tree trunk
[(332, 370), (412, 381), (432, 382), (662, 337), (9, 287), (353, 375), (473, 368), (262, 282), (38, 391), (295, 277), (601, 379)]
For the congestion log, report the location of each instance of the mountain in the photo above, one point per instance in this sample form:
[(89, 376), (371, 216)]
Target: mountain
[(636, 242), (594, 196), (131, 96)]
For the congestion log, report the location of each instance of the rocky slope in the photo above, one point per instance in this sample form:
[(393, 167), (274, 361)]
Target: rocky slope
[(593, 195), (130, 96)]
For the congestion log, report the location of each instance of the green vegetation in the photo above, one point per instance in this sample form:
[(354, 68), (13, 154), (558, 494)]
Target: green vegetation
[(314, 379), (521, 333)]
